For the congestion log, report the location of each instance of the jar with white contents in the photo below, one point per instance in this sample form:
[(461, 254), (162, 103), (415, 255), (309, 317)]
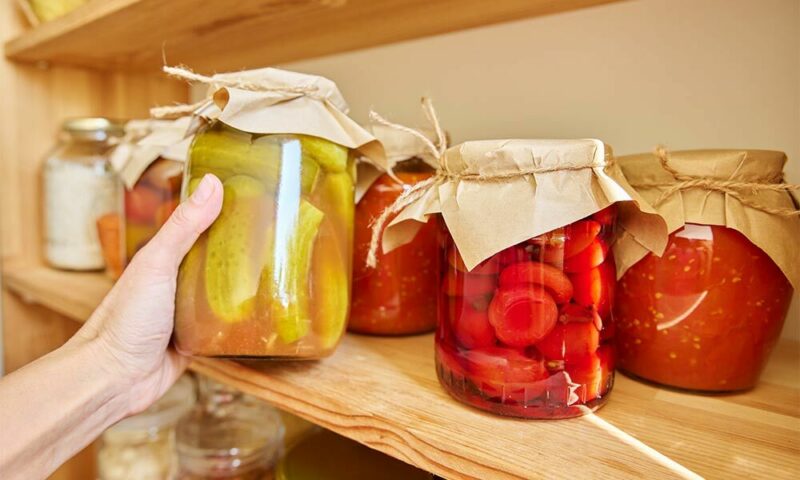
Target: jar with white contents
[(79, 187)]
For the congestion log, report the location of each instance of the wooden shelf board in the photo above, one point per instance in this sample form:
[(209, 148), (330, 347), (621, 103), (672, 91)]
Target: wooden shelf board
[(208, 36), (384, 393)]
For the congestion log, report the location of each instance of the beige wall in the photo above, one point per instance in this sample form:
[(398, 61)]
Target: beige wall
[(686, 73)]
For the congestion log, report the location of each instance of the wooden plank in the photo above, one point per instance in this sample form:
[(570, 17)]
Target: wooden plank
[(232, 35), (383, 392)]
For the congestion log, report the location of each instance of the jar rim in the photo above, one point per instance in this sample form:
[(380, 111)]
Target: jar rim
[(93, 128)]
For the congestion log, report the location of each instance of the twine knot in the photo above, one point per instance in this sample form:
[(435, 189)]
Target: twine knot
[(183, 72), (735, 188)]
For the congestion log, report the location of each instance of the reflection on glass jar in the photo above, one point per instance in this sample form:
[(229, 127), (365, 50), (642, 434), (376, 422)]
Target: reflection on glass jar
[(79, 188), (271, 276), (228, 436), (397, 296), (528, 331), (705, 315)]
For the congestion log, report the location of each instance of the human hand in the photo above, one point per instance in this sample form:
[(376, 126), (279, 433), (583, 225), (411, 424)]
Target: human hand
[(131, 328)]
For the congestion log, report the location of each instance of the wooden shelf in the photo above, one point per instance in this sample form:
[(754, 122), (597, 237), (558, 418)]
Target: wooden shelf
[(217, 36), (383, 392)]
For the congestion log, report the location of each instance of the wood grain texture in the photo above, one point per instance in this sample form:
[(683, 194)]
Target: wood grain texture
[(383, 392), (232, 35)]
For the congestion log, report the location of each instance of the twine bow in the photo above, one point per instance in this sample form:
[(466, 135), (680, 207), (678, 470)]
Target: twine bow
[(185, 73), (734, 188), (442, 175)]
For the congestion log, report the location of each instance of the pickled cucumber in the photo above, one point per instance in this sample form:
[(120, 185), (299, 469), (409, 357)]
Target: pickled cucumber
[(235, 242), (331, 288), (226, 152), (332, 157), (289, 278), (336, 194)]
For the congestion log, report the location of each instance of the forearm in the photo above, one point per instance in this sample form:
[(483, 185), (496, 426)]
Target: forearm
[(54, 407)]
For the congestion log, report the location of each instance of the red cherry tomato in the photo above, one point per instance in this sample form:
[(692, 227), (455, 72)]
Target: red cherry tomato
[(574, 313), (499, 371), (588, 258), (592, 372), (595, 287), (460, 284), (535, 273), (606, 216), (512, 255), (522, 315), (165, 210), (579, 236), (471, 326), (569, 341), (490, 266), (141, 204)]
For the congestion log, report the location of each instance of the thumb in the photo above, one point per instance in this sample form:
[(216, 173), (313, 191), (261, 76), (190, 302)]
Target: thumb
[(187, 222)]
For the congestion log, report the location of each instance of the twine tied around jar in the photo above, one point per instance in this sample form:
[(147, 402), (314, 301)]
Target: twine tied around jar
[(183, 72), (443, 175), (734, 188)]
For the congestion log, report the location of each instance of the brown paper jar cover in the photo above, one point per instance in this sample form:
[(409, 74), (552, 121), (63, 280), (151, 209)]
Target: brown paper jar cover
[(493, 194), (776, 235)]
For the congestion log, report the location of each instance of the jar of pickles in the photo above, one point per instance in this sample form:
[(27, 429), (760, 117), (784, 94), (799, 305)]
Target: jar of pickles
[(271, 276), (527, 278), (705, 315), (394, 298), (149, 162), (79, 188)]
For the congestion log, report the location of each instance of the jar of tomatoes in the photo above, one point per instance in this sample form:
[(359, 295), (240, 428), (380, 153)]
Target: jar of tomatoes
[(705, 315), (527, 278), (396, 297), (149, 162), (271, 276)]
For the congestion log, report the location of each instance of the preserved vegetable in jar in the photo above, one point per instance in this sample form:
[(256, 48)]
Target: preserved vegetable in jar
[(706, 314), (271, 276), (397, 297), (528, 331), (525, 326), (79, 189), (149, 162)]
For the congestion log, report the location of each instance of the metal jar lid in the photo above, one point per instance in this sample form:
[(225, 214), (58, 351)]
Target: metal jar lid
[(93, 128)]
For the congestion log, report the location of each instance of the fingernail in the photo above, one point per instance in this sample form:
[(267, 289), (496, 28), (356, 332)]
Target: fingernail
[(204, 190)]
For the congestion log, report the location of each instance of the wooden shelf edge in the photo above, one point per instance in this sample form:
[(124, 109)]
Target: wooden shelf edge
[(211, 36), (383, 392)]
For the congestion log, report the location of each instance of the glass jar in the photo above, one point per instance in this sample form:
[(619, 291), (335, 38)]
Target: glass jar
[(528, 332), (705, 315), (271, 276), (149, 203), (143, 446), (228, 435), (396, 297), (328, 456), (79, 188)]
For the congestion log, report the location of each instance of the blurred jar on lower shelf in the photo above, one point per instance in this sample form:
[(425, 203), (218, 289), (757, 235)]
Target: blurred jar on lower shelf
[(705, 315), (228, 436), (79, 188), (143, 446)]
